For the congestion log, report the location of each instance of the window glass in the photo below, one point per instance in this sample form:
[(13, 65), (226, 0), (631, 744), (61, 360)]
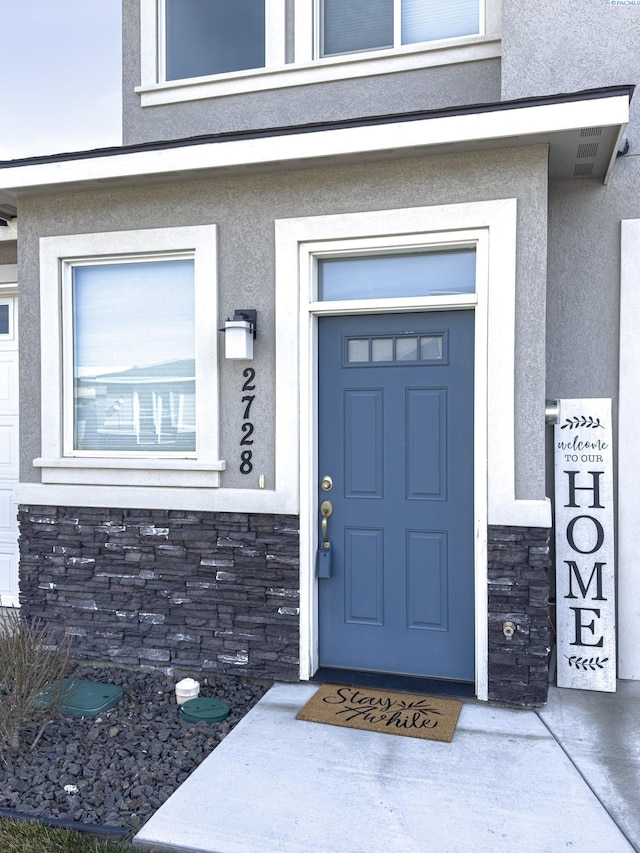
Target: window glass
[(134, 356), (4, 320), (382, 349), (349, 26), (353, 25), (386, 276), (431, 347), (397, 349), (213, 37), (428, 20), (358, 349)]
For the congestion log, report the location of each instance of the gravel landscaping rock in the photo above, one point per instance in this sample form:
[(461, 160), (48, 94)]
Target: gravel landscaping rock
[(119, 767)]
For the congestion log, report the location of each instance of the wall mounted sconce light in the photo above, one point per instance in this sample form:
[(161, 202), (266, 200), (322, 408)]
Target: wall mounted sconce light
[(240, 334)]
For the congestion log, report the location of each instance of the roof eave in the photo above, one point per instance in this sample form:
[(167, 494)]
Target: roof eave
[(564, 122)]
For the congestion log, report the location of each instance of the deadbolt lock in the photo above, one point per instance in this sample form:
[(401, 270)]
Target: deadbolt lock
[(326, 484)]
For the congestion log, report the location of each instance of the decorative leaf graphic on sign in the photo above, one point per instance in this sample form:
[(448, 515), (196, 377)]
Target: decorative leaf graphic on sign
[(582, 421), (586, 663), (422, 706)]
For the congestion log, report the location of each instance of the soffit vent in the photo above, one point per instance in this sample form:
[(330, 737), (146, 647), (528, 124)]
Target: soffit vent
[(587, 149), (583, 170), (591, 131)]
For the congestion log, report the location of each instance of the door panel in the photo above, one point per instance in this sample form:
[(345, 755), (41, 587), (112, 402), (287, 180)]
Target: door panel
[(364, 576), (426, 442), (427, 575), (363, 443), (396, 437)]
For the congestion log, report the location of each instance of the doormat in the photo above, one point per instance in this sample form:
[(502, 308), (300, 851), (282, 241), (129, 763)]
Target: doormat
[(387, 711)]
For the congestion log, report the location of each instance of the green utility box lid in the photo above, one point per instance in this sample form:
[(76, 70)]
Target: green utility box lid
[(89, 698), (201, 708)]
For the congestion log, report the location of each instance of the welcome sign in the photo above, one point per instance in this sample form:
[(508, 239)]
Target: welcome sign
[(585, 586)]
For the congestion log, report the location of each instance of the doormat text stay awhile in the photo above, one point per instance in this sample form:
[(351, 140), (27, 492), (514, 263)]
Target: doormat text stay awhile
[(385, 711)]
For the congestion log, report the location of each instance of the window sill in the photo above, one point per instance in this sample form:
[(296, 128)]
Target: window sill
[(321, 71), (131, 472)]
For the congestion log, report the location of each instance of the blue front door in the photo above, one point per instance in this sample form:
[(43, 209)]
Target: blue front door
[(396, 439)]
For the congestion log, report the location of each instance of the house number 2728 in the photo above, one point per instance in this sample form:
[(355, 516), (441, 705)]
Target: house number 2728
[(246, 465)]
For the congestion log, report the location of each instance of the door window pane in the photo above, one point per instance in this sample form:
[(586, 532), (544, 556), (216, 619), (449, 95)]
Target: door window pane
[(213, 37), (396, 349), (358, 350), (431, 347), (382, 349), (134, 356), (407, 349), (353, 25), (385, 276)]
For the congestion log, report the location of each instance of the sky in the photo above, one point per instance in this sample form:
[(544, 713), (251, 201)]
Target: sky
[(61, 76)]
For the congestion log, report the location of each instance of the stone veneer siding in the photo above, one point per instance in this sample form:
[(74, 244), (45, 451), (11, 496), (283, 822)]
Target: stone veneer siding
[(211, 592), (219, 592), (518, 569)]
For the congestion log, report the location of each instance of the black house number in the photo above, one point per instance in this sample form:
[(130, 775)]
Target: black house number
[(246, 465)]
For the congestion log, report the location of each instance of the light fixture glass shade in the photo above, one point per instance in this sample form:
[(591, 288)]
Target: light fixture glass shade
[(238, 339)]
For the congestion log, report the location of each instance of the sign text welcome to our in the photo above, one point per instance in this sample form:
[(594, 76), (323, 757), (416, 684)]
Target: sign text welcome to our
[(585, 586)]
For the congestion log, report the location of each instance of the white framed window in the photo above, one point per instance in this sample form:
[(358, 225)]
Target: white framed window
[(192, 39), (129, 358), (184, 42), (350, 26), (7, 319), (203, 37)]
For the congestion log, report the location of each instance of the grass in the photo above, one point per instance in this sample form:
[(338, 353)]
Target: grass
[(21, 836)]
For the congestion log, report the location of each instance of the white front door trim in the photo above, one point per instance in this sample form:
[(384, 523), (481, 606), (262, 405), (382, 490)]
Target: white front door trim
[(490, 227)]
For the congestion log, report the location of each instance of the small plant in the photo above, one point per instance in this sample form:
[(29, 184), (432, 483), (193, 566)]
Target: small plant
[(33, 665)]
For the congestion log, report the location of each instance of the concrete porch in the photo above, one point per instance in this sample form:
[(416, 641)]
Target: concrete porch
[(566, 776)]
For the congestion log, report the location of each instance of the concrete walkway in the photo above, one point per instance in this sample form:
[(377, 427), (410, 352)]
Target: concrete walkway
[(564, 778)]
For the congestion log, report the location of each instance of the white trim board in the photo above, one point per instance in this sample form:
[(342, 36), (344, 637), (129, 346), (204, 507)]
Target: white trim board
[(629, 455), (299, 242)]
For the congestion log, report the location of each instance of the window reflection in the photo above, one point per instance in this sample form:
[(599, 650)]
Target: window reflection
[(134, 356)]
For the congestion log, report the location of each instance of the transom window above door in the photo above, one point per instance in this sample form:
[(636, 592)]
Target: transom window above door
[(349, 26), (426, 273)]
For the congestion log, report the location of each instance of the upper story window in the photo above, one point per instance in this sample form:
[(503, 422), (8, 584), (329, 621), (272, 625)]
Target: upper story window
[(350, 26), (213, 37), (195, 49)]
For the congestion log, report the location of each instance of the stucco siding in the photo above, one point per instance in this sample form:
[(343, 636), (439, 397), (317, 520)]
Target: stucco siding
[(431, 88), (550, 47), (583, 299), (244, 208)]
